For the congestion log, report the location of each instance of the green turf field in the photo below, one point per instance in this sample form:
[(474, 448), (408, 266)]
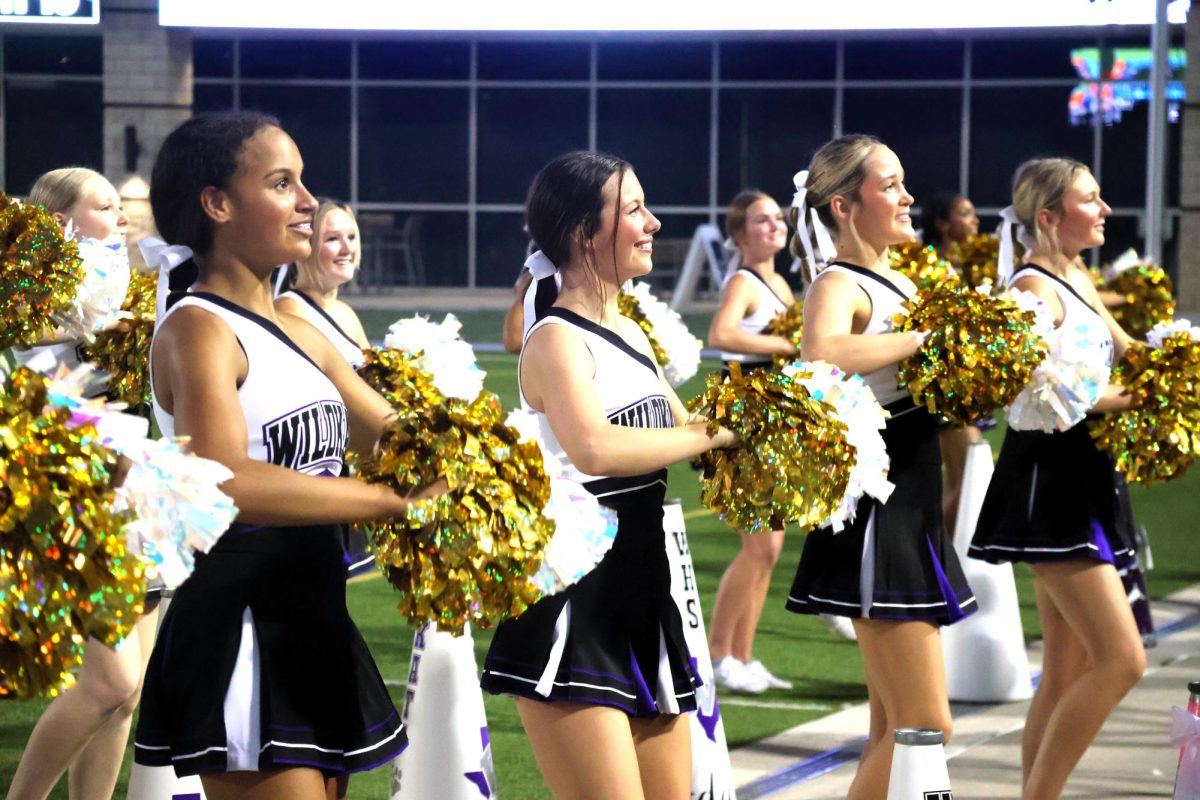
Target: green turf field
[(826, 669)]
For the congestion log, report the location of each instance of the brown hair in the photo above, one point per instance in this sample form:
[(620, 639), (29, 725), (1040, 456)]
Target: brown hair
[(735, 215), (1041, 183), (835, 169)]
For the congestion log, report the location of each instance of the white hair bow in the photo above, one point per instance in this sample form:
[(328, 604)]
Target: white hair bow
[(539, 265), (825, 249), (163, 257), (1005, 256)]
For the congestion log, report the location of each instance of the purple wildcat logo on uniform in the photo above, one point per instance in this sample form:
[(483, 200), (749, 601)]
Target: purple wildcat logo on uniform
[(308, 437)]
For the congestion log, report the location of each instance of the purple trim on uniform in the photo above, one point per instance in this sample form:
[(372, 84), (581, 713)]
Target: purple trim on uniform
[(483, 734), (390, 757), (244, 527), (954, 611), (643, 691), (1104, 549)]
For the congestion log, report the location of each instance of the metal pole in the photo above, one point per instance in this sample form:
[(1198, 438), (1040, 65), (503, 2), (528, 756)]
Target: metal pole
[(1156, 138)]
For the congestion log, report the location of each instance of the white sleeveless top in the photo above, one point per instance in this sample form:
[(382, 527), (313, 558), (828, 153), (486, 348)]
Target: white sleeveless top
[(886, 299), (769, 306), (629, 388), (342, 341), (1088, 331), (294, 416)]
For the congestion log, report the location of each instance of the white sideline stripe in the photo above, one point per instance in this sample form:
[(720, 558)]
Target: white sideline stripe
[(780, 705)]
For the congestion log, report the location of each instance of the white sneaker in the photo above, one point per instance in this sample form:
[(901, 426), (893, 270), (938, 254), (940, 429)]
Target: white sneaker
[(734, 676), (757, 668), (842, 626)]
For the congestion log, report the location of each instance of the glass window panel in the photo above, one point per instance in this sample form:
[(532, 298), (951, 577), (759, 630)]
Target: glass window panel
[(413, 144), (212, 58), (54, 55), (418, 248), (294, 58), (664, 134), (767, 135), (1026, 57), (533, 61), (671, 244), (655, 61), (796, 60), (906, 58), (61, 125), (1120, 233), (323, 139), (922, 126), (408, 60), (1123, 172), (502, 244), (211, 97), (1010, 125), (509, 156)]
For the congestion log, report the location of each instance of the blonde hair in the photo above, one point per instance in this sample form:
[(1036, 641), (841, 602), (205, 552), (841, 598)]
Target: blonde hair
[(835, 169), (1041, 183), (325, 207), (60, 189), (739, 207)]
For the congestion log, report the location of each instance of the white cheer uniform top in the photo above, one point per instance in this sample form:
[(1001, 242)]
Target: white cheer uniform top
[(342, 341), (886, 299), (1087, 329), (629, 388), (293, 413), (769, 306)]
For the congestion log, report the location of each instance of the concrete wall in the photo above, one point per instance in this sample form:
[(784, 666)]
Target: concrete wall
[(1189, 194)]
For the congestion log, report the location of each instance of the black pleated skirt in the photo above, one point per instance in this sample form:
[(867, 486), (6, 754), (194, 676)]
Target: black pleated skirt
[(322, 702), (614, 638), (895, 561), (1055, 497)]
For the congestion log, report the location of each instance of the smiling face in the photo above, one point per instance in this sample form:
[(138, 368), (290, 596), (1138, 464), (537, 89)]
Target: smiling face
[(1079, 222), (97, 213), (337, 249), (961, 223), (881, 216), (628, 251), (765, 231), (265, 215)]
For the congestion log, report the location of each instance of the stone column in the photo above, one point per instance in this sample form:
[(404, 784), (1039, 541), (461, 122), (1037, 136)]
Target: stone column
[(1189, 193)]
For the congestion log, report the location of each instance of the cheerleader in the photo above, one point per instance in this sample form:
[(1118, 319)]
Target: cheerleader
[(601, 673), (947, 220), (1054, 498), (893, 571), (84, 730), (309, 290), (259, 681), (752, 296)]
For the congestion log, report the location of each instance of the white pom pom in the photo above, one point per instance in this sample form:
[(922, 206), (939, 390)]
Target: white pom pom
[(671, 334), (1165, 330), (441, 352), (97, 302)]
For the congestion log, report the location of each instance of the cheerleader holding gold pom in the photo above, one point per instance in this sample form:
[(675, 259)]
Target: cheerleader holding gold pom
[(259, 682), (752, 296), (893, 571), (84, 731), (1053, 499), (601, 672)]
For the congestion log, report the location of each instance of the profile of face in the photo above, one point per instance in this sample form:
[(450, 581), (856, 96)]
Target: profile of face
[(632, 242), (97, 214), (338, 249), (765, 232), (881, 216), (1079, 222), (265, 214), (961, 223)]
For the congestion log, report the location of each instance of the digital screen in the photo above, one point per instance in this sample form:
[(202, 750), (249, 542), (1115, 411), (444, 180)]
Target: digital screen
[(70, 12), (657, 15)]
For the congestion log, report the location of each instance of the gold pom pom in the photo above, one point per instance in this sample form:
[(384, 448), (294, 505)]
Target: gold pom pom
[(789, 324), (397, 376), (64, 571), (921, 264), (793, 465), (976, 258), (628, 306), (1157, 438), (467, 556), (40, 272), (1148, 298), (980, 353), (123, 351)]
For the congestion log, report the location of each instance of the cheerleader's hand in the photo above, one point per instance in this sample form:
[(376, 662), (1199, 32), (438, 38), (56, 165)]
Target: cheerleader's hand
[(430, 490), (120, 472), (725, 438), (1115, 398)]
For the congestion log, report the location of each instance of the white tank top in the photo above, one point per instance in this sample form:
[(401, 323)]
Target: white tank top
[(769, 306), (293, 413), (629, 388), (886, 299), (342, 341), (1089, 331)]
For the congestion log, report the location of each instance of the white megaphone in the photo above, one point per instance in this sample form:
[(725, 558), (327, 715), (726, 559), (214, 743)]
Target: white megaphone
[(919, 766)]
